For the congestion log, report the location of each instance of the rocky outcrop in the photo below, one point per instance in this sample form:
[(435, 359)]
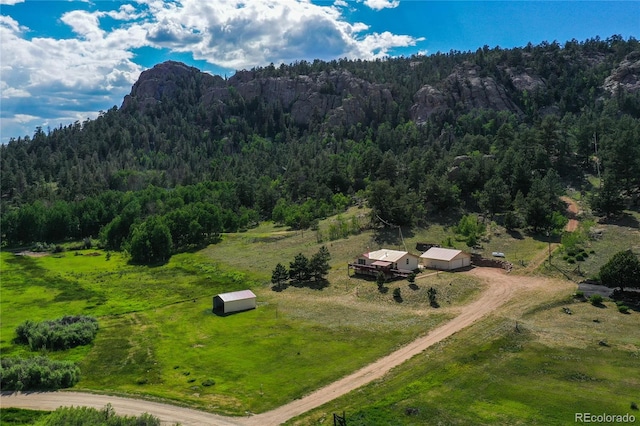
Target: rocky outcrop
[(164, 80), (464, 89), (625, 76), (336, 98), (525, 80)]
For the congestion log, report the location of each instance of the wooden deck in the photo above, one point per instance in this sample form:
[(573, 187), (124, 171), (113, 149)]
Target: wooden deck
[(374, 270)]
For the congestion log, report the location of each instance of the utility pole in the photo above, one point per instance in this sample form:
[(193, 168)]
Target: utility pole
[(595, 144), (549, 241)]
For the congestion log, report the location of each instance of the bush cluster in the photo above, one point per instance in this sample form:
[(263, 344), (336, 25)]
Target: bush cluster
[(59, 334), (86, 416), (37, 373)]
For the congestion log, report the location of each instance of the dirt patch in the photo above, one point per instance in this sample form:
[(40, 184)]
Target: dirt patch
[(32, 253)]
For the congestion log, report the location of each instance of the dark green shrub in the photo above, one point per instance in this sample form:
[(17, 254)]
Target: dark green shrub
[(571, 260), (623, 309), (59, 334), (596, 299), (37, 373), (208, 382)]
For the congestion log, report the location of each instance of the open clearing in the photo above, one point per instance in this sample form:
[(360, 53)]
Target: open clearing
[(500, 289)]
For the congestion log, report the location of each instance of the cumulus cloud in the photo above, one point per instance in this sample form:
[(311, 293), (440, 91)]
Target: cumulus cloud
[(10, 2), (93, 70), (62, 80), (382, 4), (243, 34)]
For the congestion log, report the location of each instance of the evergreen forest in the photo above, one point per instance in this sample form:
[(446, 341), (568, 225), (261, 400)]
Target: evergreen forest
[(189, 156)]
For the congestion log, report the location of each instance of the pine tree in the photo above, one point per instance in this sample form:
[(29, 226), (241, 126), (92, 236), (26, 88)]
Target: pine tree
[(299, 269), (319, 264), (279, 276)]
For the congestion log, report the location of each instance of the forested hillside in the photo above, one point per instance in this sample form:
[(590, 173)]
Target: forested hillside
[(189, 155)]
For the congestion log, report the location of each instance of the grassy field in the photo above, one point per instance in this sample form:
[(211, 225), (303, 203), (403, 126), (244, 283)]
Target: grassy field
[(158, 337), (611, 236), (489, 373)]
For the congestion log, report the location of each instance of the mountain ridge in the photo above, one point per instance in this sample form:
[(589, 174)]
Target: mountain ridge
[(491, 132)]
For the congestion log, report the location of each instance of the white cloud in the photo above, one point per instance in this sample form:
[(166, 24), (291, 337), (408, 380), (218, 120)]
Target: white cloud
[(60, 81), (244, 34), (24, 118), (126, 13), (381, 4), (84, 23), (10, 2), (11, 25)]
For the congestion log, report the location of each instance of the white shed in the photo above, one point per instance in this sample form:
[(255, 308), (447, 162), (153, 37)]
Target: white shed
[(445, 259), (235, 301)]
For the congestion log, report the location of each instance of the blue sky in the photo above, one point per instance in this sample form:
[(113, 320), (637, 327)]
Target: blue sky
[(64, 61)]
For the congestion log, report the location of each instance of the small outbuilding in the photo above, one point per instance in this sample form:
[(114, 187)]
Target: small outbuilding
[(445, 259), (236, 301)]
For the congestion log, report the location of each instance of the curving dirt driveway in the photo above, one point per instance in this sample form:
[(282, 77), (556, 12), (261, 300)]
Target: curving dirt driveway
[(500, 289)]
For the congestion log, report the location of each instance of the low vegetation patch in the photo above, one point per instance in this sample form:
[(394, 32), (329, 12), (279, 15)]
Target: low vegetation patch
[(37, 373), (59, 334), (19, 417), (86, 416)]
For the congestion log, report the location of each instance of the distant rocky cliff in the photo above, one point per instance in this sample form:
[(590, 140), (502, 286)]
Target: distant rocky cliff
[(338, 97)]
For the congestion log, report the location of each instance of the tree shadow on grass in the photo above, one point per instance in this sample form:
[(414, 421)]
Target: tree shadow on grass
[(388, 235), (313, 285), (383, 289), (279, 288), (624, 219), (514, 233), (628, 298)]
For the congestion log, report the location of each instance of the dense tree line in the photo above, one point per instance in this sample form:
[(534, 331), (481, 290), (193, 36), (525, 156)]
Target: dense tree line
[(37, 373), (177, 174), (59, 334)]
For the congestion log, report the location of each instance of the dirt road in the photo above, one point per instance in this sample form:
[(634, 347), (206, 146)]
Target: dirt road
[(501, 287), (572, 212)]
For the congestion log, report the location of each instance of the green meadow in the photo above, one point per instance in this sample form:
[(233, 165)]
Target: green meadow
[(489, 373), (158, 337)]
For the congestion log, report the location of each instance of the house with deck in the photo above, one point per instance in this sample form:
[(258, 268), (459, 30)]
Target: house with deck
[(393, 263)]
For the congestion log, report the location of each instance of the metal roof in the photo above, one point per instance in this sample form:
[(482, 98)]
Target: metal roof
[(237, 295), (381, 263), (439, 253), (387, 255)]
